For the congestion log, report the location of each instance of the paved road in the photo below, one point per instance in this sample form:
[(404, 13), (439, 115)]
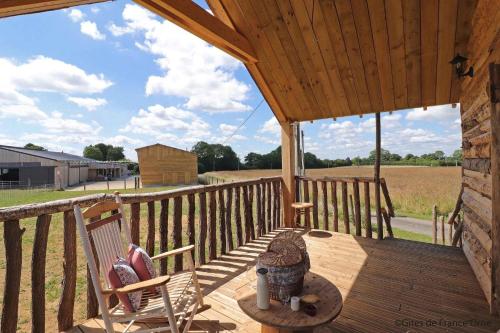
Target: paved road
[(417, 225)]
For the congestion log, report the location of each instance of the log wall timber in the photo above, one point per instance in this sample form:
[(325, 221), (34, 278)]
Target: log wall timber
[(480, 133)]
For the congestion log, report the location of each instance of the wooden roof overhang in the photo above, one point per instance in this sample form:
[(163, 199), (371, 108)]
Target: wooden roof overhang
[(325, 58), (315, 59)]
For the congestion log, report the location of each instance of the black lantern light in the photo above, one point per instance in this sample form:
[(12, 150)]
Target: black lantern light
[(459, 62)]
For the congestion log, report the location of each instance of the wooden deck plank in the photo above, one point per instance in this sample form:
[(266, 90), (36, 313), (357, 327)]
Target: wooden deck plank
[(381, 281)]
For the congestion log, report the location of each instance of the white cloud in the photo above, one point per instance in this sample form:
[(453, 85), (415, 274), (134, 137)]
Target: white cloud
[(57, 124), (50, 75), (90, 29), (91, 104), (122, 140), (194, 70), (227, 129), (76, 15), (271, 126), (118, 31), (95, 9), (168, 124), (443, 113)]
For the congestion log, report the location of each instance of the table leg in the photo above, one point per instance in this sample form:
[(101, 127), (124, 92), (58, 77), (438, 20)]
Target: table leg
[(270, 329)]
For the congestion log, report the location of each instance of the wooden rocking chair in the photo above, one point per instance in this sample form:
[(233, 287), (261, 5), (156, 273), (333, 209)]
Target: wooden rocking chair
[(105, 239)]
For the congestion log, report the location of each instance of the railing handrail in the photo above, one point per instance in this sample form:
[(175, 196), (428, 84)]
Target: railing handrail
[(58, 206)]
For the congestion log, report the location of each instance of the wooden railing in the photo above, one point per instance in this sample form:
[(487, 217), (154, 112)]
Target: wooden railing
[(219, 218), (325, 196)]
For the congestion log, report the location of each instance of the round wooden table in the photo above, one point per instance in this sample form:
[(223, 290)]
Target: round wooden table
[(281, 319)]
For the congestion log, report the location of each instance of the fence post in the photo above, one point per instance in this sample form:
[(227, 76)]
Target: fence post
[(443, 239), (434, 224)]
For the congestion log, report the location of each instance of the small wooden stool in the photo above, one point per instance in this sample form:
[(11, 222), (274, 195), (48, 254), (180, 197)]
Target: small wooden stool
[(301, 208)]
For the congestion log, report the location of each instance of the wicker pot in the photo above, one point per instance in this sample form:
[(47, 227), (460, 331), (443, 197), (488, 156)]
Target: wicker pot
[(286, 265)]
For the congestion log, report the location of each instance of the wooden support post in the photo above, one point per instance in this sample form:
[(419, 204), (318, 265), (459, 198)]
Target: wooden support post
[(150, 241), (378, 207), (177, 232), (288, 172), (135, 216), (38, 273), (351, 206), (191, 233), (260, 222), (203, 228), (443, 239), (307, 213), (357, 207), (387, 219), (229, 226), (269, 208), (222, 221), (237, 215), (164, 235), (250, 207), (368, 214), (450, 229), (68, 292), (325, 204), (495, 177), (315, 204), (212, 226), (12, 235), (434, 224), (335, 205), (345, 208)]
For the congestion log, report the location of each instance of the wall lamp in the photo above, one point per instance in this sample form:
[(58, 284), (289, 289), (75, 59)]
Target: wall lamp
[(459, 62)]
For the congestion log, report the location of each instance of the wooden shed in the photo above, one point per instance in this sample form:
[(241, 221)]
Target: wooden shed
[(164, 165)]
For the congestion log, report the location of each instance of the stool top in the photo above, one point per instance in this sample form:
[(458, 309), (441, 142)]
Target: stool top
[(302, 205)]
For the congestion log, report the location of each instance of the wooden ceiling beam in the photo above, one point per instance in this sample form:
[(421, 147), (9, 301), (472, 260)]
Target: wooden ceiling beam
[(191, 17), (20, 7)]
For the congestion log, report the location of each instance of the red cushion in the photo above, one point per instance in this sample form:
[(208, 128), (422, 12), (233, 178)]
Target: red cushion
[(120, 275), (142, 264)]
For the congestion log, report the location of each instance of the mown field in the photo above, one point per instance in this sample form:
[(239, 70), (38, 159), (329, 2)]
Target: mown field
[(413, 190)]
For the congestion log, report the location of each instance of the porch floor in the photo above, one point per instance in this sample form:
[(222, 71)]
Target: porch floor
[(387, 286)]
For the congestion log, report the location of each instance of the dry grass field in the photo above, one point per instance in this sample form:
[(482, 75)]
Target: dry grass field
[(413, 190)]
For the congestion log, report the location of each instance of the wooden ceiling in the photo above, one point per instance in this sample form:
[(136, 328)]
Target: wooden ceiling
[(20, 7), (315, 59), (332, 58)]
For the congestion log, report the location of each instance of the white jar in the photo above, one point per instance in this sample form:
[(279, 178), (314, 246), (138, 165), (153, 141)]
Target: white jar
[(262, 289)]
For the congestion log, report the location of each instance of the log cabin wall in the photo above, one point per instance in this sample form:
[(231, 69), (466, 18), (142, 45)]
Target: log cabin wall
[(478, 172)]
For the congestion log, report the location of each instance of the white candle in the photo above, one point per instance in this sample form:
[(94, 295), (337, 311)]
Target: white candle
[(295, 303)]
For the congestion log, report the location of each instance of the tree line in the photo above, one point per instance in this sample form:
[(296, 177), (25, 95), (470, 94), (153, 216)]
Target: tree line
[(217, 157)]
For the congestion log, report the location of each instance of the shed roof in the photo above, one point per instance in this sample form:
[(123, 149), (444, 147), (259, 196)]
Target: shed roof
[(49, 155), (165, 146)]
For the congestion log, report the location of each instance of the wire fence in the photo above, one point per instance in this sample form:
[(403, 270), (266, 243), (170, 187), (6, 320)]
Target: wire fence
[(19, 190)]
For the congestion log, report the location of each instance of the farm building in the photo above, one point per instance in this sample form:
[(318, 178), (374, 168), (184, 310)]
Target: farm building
[(26, 167), (164, 165)]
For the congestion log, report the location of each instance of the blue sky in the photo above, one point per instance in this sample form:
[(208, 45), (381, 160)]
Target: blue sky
[(116, 73)]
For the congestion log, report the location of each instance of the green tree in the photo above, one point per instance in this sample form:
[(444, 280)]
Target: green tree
[(93, 152), (115, 154), (32, 146), (457, 154)]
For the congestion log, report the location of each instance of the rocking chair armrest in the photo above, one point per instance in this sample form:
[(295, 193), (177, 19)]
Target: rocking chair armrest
[(173, 252), (155, 282)]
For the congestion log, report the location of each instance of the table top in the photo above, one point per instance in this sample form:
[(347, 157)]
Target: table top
[(282, 316)]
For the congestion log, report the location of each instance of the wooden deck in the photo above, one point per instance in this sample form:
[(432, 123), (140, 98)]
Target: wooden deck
[(387, 286)]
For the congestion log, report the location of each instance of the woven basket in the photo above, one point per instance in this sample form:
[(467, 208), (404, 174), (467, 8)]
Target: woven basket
[(286, 265)]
